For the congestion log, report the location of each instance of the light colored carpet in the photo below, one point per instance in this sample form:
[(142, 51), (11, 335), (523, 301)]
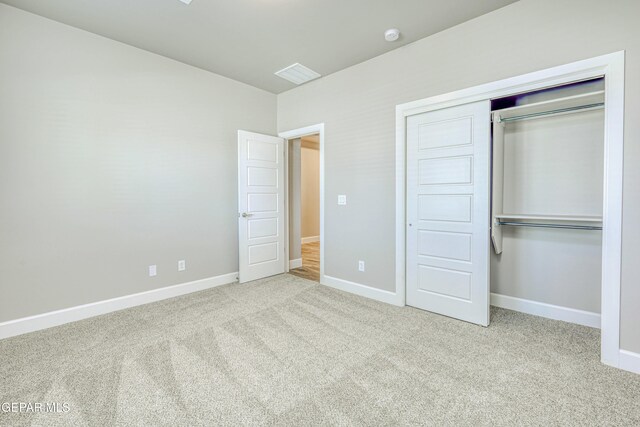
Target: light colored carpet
[(287, 351)]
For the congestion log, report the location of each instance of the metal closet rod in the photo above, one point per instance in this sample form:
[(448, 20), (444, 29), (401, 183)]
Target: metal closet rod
[(540, 225), (558, 111)]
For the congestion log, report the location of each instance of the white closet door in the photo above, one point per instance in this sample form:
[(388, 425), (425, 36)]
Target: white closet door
[(448, 211), (260, 205)]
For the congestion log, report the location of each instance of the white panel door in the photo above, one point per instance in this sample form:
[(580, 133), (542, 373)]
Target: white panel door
[(448, 211), (260, 205)]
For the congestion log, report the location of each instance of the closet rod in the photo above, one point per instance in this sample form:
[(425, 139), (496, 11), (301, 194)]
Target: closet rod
[(558, 111), (540, 225)]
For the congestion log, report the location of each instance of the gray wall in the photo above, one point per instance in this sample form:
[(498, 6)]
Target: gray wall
[(357, 106), (112, 159), (309, 189)]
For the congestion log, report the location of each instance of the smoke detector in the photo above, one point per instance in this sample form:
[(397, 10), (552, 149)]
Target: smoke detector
[(392, 35)]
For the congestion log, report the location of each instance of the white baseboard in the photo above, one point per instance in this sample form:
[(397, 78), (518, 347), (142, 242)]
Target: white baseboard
[(549, 311), (362, 290), (310, 239), (629, 361), (72, 314), (295, 263)]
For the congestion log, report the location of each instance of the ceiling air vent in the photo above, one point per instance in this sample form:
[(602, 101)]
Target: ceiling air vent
[(297, 74)]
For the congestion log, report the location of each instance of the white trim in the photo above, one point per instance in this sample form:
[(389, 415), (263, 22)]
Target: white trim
[(310, 239), (630, 361), (73, 314), (401, 200), (550, 311), (295, 263), (612, 67), (299, 133), (612, 209), (362, 290)]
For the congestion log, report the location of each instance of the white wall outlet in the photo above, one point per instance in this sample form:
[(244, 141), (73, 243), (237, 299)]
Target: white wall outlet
[(152, 270), (342, 199), (360, 265), (182, 265)]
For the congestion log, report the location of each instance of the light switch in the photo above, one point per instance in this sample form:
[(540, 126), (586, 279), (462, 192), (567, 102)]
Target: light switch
[(342, 199), (152, 270)]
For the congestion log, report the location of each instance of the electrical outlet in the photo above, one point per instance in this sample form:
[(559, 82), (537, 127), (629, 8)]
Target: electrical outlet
[(182, 265), (342, 199), (360, 265), (152, 270)]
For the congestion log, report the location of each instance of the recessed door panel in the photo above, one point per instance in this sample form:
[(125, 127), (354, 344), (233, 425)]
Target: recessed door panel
[(262, 177), (445, 133), (258, 228), (445, 282), (442, 244), (447, 170), (257, 203), (445, 207), (263, 253), (262, 151)]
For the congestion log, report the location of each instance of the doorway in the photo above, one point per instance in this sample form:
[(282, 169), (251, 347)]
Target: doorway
[(304, 207), (304, 202)]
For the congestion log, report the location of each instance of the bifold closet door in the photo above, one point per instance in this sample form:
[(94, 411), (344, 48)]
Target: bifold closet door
[(448, 211)]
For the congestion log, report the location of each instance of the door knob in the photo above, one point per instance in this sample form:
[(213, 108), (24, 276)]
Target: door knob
[(246, 215)]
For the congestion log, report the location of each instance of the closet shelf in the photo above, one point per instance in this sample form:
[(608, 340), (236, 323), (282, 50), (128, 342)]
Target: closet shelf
[(564, 105), (570, 218)]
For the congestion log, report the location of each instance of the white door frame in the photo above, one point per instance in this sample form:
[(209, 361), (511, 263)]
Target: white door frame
[(293, 134), (610, 66)]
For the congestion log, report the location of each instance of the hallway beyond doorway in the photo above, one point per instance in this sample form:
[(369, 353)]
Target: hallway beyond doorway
[(310, 262)]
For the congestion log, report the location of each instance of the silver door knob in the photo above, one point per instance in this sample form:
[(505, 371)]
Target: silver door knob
[(246, 215)]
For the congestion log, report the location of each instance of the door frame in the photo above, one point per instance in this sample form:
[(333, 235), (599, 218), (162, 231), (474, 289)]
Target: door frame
[(610, 66), (289, 135)]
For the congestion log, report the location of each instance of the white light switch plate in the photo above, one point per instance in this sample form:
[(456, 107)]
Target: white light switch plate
[(182, 265), (152, 270), (342, 199), (360, 265)]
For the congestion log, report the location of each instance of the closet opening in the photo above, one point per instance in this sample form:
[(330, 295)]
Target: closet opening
[(547, 184), (531, 221)]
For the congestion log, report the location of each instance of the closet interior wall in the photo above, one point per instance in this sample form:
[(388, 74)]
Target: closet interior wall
[(552, 166)]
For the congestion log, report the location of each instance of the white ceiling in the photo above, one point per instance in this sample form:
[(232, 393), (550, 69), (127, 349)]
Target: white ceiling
[(249, 40)]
